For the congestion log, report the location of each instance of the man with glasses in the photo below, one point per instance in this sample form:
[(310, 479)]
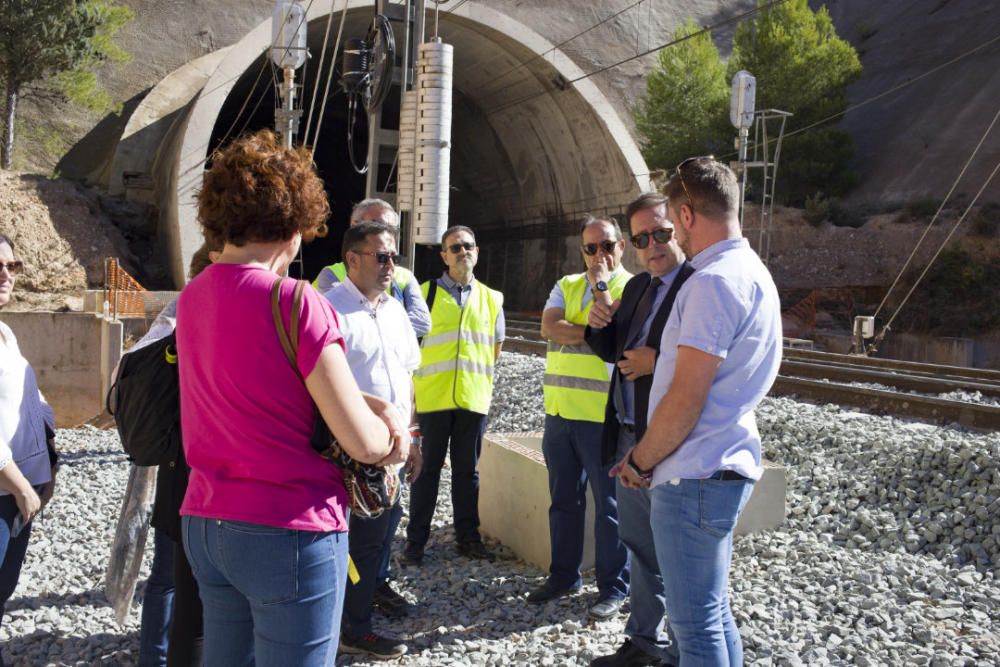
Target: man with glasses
[(720, 352), (403, 287), (628, 334), (382, 352), (454, 387), (576, 394)]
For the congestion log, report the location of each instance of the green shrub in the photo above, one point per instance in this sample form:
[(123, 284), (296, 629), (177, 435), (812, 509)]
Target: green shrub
[(987, 220), (817, 209)]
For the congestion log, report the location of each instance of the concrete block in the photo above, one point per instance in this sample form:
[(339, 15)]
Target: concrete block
[(66, 350), (514, 499)]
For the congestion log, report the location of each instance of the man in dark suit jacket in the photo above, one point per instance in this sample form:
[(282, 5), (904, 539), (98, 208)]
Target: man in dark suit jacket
[(627, 334)]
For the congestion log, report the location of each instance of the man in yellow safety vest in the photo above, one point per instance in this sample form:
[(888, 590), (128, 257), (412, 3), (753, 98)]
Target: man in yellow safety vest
[(404, 286), (576, 394), (453, 387)]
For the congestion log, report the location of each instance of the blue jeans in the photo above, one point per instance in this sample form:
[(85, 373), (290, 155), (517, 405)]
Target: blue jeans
[(572, 451), (371, 542), (271, 596), (646, 626), (693, 524), (395, 517), (157, 603)]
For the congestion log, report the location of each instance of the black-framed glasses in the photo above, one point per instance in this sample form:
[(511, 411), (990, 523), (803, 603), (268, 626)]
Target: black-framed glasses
[(455, 248), (13, 268), (382, 257), (679, 170), (661, 235), (591, 248)]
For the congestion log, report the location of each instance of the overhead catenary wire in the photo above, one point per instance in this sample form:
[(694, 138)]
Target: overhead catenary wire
[(319, 72), (561, 44), (888, 325), (329, 79), (937, 213), (724, 22)]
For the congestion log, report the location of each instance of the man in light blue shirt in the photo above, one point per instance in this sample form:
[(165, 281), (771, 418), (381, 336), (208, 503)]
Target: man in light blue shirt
[(719, 354)]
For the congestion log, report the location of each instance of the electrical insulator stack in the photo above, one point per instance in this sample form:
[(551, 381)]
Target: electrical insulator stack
[(407, 146), (432, 159)]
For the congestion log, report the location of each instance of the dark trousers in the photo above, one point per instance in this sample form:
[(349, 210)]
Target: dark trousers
[(464, 431), (572, 451), (370, 544), (157, 603), (186, 634), (12, 551)]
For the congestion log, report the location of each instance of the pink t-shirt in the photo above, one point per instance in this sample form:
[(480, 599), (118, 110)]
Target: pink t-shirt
[(246, 416)]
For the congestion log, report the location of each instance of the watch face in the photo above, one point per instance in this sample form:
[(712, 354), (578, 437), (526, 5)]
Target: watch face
[(601, 286)]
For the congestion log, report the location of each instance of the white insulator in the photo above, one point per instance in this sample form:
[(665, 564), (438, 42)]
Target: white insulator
[(407, 150), (432, 135)]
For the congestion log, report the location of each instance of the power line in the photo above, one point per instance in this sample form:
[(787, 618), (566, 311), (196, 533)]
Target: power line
[(673, 42), (554, 48), (884, 93), (936, 214)]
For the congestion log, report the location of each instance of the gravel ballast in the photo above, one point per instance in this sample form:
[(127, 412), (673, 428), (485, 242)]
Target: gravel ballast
[(887, 556)]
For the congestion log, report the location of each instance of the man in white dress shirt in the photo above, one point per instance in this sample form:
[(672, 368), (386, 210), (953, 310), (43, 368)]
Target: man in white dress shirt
[(382, 351)]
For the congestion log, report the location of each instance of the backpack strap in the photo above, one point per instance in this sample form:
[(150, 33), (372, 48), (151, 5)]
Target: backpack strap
[(290, 344), (431, 292)]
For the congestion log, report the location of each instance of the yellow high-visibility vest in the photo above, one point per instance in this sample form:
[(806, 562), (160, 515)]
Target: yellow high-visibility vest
[(576, 380), (400, 275), (458, 354)]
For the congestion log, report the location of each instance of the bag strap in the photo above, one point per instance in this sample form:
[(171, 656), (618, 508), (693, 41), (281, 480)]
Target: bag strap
[(290, 344), (431, 293)]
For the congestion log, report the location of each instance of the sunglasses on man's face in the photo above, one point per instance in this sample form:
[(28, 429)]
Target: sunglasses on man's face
[(382, 257), (12, 268), (591, 248), (661, 235), (456, 248)]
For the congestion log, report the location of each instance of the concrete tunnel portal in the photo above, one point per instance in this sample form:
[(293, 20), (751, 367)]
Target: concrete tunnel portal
[(530, 153)]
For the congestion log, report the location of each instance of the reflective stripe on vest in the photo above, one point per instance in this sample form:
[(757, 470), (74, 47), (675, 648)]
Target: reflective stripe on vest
[(458, 353), (577, 380)]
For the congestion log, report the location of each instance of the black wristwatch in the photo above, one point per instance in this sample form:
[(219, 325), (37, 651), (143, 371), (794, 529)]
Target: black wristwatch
[(640, 473), (601, 286)]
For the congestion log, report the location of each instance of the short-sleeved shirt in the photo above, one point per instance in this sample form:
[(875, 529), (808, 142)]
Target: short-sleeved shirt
[(382, 349), (24, 415), (246, 416), (728, 308), (558, 300)]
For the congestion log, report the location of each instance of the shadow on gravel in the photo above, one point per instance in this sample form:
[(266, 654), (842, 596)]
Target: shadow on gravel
[(94, 597), (102, 648), (116, 456)]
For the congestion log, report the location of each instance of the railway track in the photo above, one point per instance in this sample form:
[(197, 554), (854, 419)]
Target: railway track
[(884, 386)]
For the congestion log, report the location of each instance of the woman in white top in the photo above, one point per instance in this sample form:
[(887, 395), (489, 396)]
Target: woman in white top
[(27, 457)]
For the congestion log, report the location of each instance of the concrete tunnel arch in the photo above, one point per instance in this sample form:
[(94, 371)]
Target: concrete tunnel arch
[(529, 157)]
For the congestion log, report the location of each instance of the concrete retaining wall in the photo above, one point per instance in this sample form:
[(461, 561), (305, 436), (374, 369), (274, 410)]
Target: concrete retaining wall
[(73, 355), (979, 352), (514, 499)]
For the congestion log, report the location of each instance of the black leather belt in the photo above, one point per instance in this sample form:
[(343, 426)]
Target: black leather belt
[(629, 427), (728, 476)]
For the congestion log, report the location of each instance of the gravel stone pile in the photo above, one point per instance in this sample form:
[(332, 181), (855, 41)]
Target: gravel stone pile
[(887, 556)]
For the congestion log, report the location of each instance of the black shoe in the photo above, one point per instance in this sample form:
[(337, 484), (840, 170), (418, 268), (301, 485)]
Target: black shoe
[(546, 592), (371, 644), (605, 608), (413, 554), (476, 550), (627, 655), (391, 603)]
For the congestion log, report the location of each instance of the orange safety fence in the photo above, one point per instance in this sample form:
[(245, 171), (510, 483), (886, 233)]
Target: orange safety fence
[(123, 295), (802, 314)]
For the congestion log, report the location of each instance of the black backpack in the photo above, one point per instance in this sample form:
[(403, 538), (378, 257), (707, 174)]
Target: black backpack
[(145, 402)]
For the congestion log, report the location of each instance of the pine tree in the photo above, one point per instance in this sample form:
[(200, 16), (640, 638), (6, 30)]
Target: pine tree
[(55, 44), (685, 108)]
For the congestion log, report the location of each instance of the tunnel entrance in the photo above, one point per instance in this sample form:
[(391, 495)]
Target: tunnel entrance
[(530, 153)]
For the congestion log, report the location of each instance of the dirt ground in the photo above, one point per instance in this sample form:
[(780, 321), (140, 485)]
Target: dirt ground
[(62, 236)]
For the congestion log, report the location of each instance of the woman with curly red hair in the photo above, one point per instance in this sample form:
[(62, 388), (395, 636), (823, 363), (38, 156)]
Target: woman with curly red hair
[(264, 516)]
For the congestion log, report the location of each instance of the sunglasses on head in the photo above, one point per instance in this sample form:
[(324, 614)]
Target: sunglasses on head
[(13, 268), (382, 257), (661, 235), (455, 248), (679, 170), (591, 248)]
